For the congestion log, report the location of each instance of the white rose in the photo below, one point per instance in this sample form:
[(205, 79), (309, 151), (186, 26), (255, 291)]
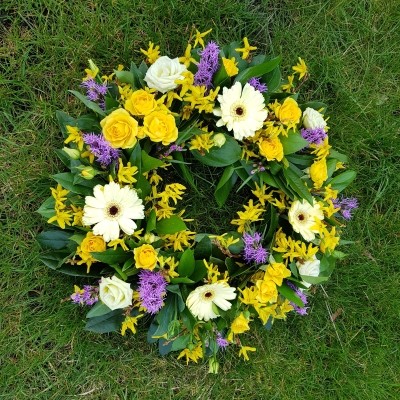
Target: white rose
[(115, 293), (308, 268), (313, 119), (163, 74)]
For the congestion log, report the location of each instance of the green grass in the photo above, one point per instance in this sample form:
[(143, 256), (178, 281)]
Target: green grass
[(352, 50)]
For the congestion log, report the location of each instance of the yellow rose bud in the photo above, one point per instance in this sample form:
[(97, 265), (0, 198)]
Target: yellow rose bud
[(120, 129), (160, 127), (289, 112), (91, 243), (319, 173), (88, 173), (145, 257), (140, 103), (240, 324), (271, 148)]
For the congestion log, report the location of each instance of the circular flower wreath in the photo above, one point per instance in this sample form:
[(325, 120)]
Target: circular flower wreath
[(117, 221)]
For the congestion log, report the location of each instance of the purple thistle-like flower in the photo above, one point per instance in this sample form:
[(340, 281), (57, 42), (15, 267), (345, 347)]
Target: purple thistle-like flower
[(314, 136), (172, 148), (88, 297), (253, 250), (302, 296), (102, 150), (208, 65), (152, 290), (347, 206), (258, 85), (94, 91), (221, 341)]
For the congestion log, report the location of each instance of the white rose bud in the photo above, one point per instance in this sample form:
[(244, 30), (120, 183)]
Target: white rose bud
[(313, 119), (219, 139), (163, 74), (309, 268), (115, 293)]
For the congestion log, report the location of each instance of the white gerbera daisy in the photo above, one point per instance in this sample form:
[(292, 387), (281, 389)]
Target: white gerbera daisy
[(200, 302), (303, 216), (241, 111), (112, 208)]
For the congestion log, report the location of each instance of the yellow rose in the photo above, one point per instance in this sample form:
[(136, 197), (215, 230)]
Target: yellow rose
[(92, 243), (288, 112), (145, 257), (266, 291), (140, 103), (271, 148), (319, 173), (160, 127), (120, 129), (240, 324)]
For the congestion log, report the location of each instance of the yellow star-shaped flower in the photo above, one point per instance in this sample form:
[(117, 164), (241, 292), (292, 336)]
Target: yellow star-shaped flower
[(199, 37), (246, 49), (300, 68)]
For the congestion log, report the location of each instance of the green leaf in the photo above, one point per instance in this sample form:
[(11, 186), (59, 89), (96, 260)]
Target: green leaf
[(88, 123), (143, 185), (273, 80), (341, 157), (177, 291), (225, 185), (135, 157), (47, 208), (181, 342), (293, 142), (66, 180), (200, 271), (112, 256), (186, 263), (331, 166), (286, 291), (110, 322), (258, 70), (273, 224), (269, 179), (149, 163), (316, 105), (228, 154), (54, 259), (314, 280), (89, 104), (97, 310), (151, 221), (54, 239), (203, 249), (297, 185), (125, 77), (171, 225), (302, 160), (221, 77), (341, 181), (183, 279), (138, 76), (63, 120), (164, 316)]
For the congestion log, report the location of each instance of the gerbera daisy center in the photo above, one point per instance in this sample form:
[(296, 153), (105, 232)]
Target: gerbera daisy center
[(113, 211), (209, 295)]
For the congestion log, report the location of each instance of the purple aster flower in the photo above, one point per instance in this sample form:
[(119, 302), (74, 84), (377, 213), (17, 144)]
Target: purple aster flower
[(208, 65), (314, 136), (302, 296), (253, 250), (94, 91), (221, 341), (347, 205), (258, 85), (152, 290), (99, 146), (87, 296)]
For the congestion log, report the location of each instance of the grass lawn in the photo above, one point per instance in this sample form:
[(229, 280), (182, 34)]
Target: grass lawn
[(352, 49)]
